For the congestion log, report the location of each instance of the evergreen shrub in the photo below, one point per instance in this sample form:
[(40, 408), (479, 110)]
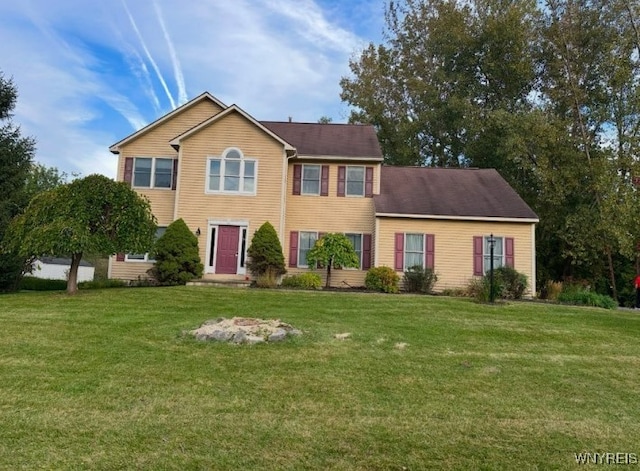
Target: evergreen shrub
[(265, 253), (177, 260)]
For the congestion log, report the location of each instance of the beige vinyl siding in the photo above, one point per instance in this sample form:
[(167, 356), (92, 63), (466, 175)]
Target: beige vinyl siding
[(197, 208), (454, 245), (332, 213)]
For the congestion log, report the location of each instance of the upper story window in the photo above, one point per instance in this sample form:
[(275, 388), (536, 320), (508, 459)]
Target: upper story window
[(311, 179), (152, 172), (231, 173), (355, 181)]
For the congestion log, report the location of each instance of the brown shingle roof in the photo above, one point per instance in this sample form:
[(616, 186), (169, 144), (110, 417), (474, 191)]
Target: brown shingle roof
[(340, 140), (448, 192)]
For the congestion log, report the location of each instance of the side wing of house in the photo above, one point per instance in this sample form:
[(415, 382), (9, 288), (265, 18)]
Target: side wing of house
[(443, 219)]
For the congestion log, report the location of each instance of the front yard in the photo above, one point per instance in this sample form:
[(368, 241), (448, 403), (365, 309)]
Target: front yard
[(108, 380)]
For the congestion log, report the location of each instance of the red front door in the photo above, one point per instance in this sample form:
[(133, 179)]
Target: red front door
[(227, 252)]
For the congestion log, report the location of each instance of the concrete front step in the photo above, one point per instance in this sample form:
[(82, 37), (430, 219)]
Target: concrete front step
[(228, 283)]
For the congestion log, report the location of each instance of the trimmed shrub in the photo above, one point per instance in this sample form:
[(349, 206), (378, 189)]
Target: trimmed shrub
[(303, 281), (265, 253), (101, 284), (419, 280), (510, 283), (581, 296), (383, 279), (176, 256), (31, 283)]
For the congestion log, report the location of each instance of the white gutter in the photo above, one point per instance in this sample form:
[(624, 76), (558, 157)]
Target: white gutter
[(456, 218)]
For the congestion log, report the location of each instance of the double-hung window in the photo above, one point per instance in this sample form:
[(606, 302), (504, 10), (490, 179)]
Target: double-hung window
[(414, 250), (231, 173), (311, 179), (355, 181), (152, 172), (145, 257), (306, 243), (498, 253)]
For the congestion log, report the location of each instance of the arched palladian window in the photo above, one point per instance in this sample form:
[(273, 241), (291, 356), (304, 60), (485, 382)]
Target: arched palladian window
[(232, 172)]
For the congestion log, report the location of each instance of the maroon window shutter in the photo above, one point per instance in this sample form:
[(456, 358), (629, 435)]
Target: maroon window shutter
[(119, 257), (342, 177), (368, 182), (366, 251), (399, 258), (508, 251), (430, 250), (477, 256), (297, 179), (324, 181), (293, 249), (128, 170), (174, 175)]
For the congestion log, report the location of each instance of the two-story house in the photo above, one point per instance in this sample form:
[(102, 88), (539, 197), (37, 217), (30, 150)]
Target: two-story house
[(225, 173)]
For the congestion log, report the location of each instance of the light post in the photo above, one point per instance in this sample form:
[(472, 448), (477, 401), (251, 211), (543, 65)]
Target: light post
[(492, 243)]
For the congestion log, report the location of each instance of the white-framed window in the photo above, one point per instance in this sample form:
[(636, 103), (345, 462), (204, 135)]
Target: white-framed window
[(232, 173), (152, 172), (498, 253), (311, 179), (413, 250), (355, 179), (356, 241), (306, 241), (144, 257)]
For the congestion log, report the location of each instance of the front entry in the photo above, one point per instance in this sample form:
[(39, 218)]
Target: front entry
[(227, 250)]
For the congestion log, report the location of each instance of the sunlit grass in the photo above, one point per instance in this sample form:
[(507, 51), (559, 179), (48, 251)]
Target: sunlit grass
[(109, 380)]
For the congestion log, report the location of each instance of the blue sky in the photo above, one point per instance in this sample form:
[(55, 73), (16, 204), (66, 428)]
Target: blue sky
[(91, 72)]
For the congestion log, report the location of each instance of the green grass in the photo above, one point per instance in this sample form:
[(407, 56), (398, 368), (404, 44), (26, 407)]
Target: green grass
[(108, 380)]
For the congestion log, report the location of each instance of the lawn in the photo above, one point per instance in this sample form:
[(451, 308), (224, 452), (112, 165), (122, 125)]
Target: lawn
[(109, 380)]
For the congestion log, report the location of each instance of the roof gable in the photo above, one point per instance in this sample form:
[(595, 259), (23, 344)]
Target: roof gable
[(115, 148), (231, 109), (449, 192), (329, 140)]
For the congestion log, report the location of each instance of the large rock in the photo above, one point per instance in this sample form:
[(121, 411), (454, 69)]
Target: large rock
[(244, 330)]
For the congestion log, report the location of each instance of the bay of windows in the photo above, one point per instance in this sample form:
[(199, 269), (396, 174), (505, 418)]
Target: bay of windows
[(231, 173)]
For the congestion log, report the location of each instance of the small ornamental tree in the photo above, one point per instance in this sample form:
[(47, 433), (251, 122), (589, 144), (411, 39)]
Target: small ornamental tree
[(265, 253), (176, 255), (333, 250), (93, 215)]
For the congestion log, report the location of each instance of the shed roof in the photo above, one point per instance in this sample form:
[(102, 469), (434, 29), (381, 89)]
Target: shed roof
[(449, 192)]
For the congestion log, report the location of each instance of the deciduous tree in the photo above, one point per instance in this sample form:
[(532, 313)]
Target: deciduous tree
[(333, 250), (90, 215)]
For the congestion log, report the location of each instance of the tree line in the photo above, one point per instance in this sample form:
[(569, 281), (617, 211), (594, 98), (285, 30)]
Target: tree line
[(546, 92)]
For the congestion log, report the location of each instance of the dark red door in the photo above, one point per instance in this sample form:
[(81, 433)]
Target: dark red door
[(227, 253)]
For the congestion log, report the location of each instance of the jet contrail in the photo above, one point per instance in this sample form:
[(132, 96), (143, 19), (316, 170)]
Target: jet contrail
[(177, 70), (146, 50)]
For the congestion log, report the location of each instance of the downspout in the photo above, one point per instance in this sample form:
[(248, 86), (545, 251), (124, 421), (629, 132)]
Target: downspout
[(283, 196)]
